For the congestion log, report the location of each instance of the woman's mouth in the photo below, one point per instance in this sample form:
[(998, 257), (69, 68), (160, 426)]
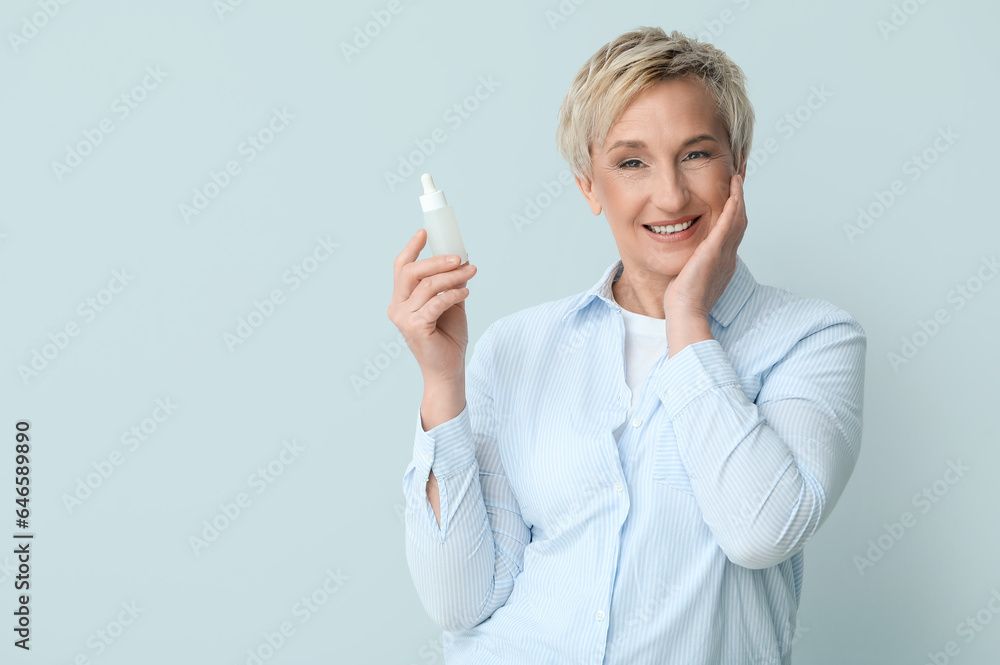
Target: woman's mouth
[(674, 233)]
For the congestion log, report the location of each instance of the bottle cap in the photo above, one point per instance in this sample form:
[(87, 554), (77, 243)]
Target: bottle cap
[(432, 198)]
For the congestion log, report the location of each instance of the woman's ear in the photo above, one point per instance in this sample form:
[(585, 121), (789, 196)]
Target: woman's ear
[(588, 193)]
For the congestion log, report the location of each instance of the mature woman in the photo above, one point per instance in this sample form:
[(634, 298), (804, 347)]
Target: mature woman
[(629, 474)]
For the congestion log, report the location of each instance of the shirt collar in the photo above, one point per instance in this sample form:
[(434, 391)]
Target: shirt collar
[(725, 310)]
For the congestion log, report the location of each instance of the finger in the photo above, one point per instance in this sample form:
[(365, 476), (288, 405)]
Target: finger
[(408, 272), (436, 306), (716, 238), (732, 215), (740, 220), (410, 252), (744, 220), (429, 287)]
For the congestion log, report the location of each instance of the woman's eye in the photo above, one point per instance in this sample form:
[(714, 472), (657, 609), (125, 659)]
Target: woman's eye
[(630, 161), (698, 152)]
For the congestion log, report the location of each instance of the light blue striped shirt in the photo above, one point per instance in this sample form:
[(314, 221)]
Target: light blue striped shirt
[(679, 543)]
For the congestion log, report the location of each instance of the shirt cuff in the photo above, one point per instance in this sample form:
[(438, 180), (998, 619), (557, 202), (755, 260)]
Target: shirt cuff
[(447, 448), (697, 368)]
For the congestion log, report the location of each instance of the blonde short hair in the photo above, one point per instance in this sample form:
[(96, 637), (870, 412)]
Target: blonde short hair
[(634, 62)]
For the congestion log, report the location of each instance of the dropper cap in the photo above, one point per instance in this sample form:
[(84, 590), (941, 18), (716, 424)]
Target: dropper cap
[(433, 198)]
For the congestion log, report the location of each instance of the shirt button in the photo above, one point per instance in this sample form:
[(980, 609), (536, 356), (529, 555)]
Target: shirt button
[(600, 615), (619, 487), (636, 422)]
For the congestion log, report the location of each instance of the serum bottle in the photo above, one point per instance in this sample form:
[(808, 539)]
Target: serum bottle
[(439, 220)]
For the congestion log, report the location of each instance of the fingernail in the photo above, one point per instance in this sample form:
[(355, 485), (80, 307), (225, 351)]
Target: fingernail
[(453, 259)]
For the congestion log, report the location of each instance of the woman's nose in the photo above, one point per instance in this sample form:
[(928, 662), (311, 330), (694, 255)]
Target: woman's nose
[(670, 192)]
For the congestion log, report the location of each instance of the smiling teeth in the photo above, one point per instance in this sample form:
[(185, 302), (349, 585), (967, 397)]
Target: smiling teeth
[(672, 229)]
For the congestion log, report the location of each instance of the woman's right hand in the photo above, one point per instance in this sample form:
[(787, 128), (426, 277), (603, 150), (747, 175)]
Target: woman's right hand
[(428, 308)]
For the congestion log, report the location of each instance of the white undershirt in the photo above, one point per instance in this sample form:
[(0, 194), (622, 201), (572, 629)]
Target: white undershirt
[(645, 342)]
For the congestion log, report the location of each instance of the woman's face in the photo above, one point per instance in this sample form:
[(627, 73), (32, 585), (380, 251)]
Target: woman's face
[(666, 159)]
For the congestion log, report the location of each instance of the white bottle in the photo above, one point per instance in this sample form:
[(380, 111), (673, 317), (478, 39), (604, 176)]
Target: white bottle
[(439, 219)]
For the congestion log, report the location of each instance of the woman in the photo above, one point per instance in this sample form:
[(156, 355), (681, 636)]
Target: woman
[(629, 474)]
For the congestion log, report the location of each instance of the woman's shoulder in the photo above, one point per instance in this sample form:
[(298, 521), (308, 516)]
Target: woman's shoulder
[(779, 312)]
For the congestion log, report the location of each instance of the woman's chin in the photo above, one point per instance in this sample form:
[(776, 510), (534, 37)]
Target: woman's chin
[(662, 263)]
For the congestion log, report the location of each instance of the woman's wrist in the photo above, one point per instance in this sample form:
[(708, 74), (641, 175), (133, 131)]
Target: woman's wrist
[(443, 400), (686, 329)]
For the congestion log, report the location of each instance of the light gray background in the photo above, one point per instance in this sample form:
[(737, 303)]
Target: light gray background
[(337, 506)]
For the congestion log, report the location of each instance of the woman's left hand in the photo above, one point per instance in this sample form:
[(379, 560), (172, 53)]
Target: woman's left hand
[(693, 293)]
